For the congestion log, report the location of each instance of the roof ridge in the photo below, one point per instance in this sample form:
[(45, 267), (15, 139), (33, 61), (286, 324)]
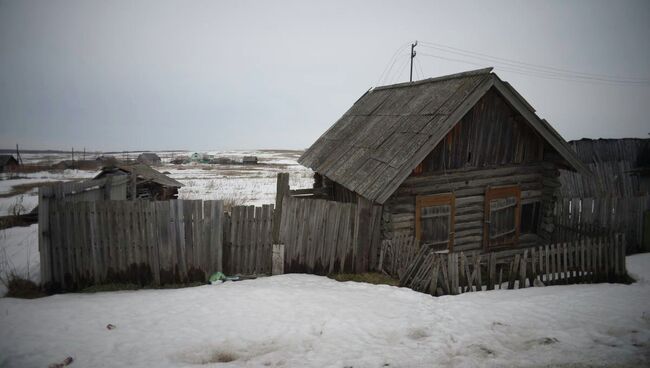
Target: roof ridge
[(435, 79)]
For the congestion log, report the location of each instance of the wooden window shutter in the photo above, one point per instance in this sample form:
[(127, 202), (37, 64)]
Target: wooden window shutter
[(502, 217), (434, 220)]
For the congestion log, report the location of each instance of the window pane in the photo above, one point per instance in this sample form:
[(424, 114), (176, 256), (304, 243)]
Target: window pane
[(502, 216), (530, 214), (435, 223)]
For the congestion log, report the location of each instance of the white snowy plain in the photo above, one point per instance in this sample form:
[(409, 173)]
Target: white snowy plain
[(310, 321)]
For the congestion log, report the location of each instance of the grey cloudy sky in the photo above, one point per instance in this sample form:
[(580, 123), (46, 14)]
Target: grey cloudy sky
[(117, 75)]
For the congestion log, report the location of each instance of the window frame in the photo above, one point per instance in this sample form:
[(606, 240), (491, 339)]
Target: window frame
[(436, 200), (498, 193)]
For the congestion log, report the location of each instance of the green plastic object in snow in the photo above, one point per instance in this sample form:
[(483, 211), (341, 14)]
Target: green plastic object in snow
[(217, 276)]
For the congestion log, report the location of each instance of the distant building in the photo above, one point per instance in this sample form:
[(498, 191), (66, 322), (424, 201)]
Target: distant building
[(149, 158), (196, 157), (149, 183), (249, 160), (8, 163)]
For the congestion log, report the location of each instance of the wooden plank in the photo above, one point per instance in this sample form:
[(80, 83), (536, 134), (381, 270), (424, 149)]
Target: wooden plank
[(492, 271), (257, 242), (547, 268), (522, 270), (94, 243), (282, 190), (477, 270), (433, 286)]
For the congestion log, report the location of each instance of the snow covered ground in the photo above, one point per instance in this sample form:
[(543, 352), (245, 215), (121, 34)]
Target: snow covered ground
[(310, 321), (19, 253)]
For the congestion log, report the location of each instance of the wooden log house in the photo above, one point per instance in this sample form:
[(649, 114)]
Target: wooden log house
[(461, 162)]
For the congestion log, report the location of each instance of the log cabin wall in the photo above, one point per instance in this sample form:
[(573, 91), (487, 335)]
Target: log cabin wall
[(538, 183), (490, 147)]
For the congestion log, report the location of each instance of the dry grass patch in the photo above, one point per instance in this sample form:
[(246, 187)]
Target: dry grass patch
[(374, 278)]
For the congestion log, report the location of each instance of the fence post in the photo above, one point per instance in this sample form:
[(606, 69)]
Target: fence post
[(278, 259), (281, 191)]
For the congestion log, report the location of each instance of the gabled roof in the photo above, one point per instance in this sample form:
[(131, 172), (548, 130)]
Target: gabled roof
[(377, 143), (143, 172)]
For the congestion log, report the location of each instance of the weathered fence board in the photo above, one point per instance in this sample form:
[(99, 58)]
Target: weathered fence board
[(250, 240), (91, 190), (323, 236), (580, 260), (606, 213), (147, 242)]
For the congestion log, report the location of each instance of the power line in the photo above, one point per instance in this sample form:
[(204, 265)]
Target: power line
[(401, 69), (522, 68), (537, 67), (391, 63), (539, 74), (419, 64)]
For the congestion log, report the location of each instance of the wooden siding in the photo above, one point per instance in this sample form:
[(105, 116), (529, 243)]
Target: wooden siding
[(491, 133)]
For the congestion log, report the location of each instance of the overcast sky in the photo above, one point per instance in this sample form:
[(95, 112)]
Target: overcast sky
[(199, 75)]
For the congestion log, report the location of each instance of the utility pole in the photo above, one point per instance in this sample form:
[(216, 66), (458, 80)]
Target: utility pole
[(18, 158), (412, 56)]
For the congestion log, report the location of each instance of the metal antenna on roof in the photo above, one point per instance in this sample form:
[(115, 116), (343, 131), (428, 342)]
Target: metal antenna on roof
[(412, 56)]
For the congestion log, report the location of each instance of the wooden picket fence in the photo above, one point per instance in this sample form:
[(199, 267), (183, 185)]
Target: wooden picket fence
[(606, 213), (323, 237), (600, 259), (249, 242), (151, 243)]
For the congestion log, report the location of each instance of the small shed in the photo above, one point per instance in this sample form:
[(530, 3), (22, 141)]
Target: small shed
[(149, 158), (8, 163), (460, 162), (249, 160), (149, 183)]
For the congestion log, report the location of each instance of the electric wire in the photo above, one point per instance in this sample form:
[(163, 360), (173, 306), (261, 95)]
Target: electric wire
[(539, 74), (524, 67)]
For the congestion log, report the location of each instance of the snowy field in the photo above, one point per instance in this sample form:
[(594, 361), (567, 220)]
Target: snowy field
[(239, 184), (310, 321)]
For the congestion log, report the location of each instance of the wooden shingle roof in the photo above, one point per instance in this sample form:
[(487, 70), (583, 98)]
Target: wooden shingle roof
[(376, 144), (143, 172)]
